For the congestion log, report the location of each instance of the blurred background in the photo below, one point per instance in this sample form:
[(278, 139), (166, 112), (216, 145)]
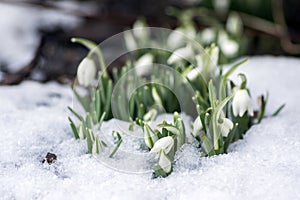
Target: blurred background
[(35, 34)]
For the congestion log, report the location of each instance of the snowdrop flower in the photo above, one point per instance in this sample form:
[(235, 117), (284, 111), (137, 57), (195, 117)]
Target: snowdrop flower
[(139, 30), (130, 42), (143, 64), (180, 36), (229, 47), (175, 39), (150, 115), (86, 72), (208, 35), (164, 162), (197, 127), (234, 24), (226, 126), (193, 74), (179, 54), (165, 144), (241, 103), (221, 6)]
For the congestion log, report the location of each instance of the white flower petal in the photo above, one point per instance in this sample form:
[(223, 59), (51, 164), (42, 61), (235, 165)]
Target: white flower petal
[(143, 64), (164, 162), (130, 41), (197, 127), (192, 75), (241, 103), (208, 35), (180, 54), (139, 30), (229, 47), (176, 39), (226, 126), (86, 72), (165, 143), (234, 24)]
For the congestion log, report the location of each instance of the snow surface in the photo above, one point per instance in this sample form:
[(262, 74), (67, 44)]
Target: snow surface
[(264, 165), (19, 36)]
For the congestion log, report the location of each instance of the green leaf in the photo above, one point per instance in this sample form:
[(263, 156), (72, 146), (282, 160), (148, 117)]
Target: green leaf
[(233, 68), (94, 48), (171, 128), (117, 145), (216, 113), (74, 129), (101, 119), (263, 105), (90, 138), (84, 101), (76, 114), (278, 110), (97, 103), (107, 106)]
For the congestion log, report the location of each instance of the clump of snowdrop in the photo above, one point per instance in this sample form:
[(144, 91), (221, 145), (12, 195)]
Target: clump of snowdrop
[(222, 110), (164, 140)]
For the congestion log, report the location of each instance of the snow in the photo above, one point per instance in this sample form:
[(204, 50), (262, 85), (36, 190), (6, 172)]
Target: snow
[(19, 35), (264, 165)]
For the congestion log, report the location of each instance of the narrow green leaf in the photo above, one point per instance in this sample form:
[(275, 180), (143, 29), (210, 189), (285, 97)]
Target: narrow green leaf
[(278, 110), (74, 129), (76, 114), (117, 145), (84, 101), (233, 68)]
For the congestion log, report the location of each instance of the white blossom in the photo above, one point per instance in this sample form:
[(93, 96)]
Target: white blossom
[(165, 143), (208, 35), (226, 126), (180, 54), (130, 42), (241, 103), (139, 30), (164, 162), (181, 36), (234, 24), (143, 64), (197, 127), (193, 74), (86, 72), (229, 47)]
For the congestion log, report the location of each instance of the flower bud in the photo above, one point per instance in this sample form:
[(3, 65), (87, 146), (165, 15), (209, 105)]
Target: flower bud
[(86, 72), (144, 64), (197, 127), (241, 103), (165, 143), (180, 54), (226, 126), (164, 162)]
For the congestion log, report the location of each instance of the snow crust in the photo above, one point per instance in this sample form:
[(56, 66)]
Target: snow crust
[(264, 165)]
